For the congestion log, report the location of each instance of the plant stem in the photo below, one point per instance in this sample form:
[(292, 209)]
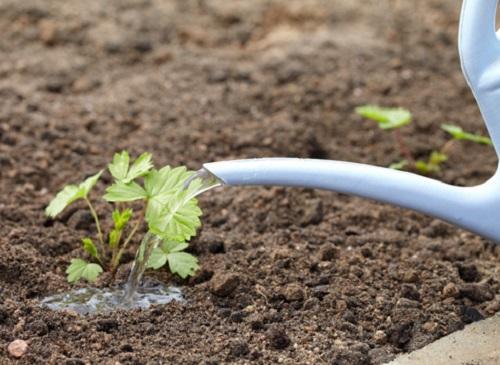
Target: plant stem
[(117, 258), (402, 147), (98, 225)]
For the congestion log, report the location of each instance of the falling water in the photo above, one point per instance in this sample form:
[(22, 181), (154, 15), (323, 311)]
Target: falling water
[(135, 293)]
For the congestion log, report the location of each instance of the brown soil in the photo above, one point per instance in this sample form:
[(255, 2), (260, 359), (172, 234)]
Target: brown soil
[(311, 277)]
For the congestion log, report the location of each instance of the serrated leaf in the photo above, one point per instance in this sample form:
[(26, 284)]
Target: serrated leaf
[(157, 259), (89, 183), (69, 194), (119, 166), (90, 248), (81, 269), (121, 192), (64, 198), (170, 246), (458, 133), (171, 211), (178, 220), (387, 118), (140, 167), (182, 263), (166, 181)]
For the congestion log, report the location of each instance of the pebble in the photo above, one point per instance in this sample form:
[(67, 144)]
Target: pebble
[(17, 348), (224, 285), (476, 292), (294, 292), (313, 213), (471, 314), (328, 252), (239, 349), (469, 273), (379, 337), (278, 338), (450, 291)]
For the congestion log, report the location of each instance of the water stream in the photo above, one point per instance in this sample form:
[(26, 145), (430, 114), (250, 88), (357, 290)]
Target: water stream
[(136, 293)]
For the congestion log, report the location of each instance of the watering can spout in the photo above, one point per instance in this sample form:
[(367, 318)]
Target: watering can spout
[(474, 208)]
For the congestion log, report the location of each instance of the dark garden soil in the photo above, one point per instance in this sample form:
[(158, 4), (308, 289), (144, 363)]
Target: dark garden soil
[(288, 276)]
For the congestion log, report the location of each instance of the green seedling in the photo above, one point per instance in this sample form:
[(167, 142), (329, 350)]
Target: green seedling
[(459, 134), (167, 208), (395, 118), (391, 119)]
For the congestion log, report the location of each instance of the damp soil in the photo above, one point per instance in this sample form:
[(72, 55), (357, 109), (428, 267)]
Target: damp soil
[(288, 276)]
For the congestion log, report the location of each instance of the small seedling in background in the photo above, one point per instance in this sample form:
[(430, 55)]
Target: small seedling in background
[(167, 207), (395, 118), (459, 134)]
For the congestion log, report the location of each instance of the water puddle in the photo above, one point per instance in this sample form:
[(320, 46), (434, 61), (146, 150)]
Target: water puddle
[(93, 300)]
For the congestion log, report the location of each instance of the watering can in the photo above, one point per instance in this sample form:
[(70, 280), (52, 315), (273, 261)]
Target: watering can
[(476, 208)]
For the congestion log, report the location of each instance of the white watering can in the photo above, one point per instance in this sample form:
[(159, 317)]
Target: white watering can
[(476, 209)]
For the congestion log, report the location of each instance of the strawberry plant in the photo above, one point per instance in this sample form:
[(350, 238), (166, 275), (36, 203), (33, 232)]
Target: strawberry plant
[(395, 118), (167, 208)]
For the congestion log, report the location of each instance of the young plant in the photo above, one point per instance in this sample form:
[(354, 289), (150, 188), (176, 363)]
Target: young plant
[(395, 118), (391, 119), (167, 207)]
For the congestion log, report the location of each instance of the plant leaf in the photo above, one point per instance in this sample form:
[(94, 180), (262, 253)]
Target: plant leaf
[(81, 269), (69, 194), (121, 192), (178, 220), (182, 263), (119, 166), (170, 246), (65, 197), (157, 259), (88, 184), (399, 165), (458, 133), (89, 246), (437, 158), (387, 118), (140, 167), (171, 212)]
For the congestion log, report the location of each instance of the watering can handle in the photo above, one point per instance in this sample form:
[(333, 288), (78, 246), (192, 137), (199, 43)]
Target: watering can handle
[(479, 47)]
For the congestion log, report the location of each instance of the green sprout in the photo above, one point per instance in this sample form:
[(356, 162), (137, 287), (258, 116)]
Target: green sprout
[(395, 118), (168, 209), (459, 134)]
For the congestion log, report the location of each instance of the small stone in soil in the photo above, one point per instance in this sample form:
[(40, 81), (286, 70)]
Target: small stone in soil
[(476, 292), (223, 285), (313, 213), (471, 314), (450, 291), (106, 325), (17, 348), (294, 292), (328, 252), (469, 273), (278, 338), (239, 349)]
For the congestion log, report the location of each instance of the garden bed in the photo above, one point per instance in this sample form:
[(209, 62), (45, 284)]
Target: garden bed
[(288, 275)]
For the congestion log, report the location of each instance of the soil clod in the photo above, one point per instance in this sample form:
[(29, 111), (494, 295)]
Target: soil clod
[(224, 285)]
